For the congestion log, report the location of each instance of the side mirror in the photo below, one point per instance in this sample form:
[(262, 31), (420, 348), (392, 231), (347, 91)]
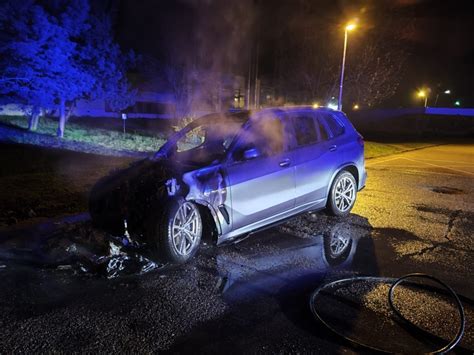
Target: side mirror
[(251, 153)]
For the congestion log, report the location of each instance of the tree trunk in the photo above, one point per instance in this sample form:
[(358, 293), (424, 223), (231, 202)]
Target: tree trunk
[(62, 118), (70, 110), (34, 119)]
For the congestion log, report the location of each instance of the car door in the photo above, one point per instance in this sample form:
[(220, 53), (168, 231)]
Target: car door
[(311, 157), (260, 173), (339, 143)]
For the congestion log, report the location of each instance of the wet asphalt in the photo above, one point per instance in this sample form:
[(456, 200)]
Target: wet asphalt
[(416, 214)]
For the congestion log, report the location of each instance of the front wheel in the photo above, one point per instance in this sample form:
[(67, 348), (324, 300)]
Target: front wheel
[(178, 235), (342, 195)]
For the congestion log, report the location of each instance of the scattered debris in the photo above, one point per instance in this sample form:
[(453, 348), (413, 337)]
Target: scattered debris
[(119, 263), (126, 235), (64, 267), (80, 248), (127, 265)]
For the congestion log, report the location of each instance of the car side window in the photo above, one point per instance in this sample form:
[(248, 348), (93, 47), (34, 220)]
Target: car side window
[(265, 135), (323, 133), (305, 130), (334, 125)]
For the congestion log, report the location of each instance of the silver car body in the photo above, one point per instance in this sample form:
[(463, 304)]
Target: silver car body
[(247, 195)]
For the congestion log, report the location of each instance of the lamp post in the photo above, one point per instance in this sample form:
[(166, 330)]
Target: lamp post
[(423, 94), (446, 92), (347, 29)]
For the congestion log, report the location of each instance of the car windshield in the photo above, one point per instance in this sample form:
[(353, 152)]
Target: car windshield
[(202, 141)]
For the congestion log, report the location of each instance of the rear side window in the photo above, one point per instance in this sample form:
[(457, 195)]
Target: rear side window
[(305, 131), (322, 131), (334, 125)]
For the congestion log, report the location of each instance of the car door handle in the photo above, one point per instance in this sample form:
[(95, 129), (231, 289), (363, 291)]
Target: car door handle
[(333, 148), (285, 163)]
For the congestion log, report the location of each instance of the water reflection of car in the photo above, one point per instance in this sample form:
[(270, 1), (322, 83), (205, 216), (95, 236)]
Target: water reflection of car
[(232, 174), (289, 259)]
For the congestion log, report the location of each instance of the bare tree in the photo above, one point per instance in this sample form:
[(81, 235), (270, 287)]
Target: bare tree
[(374, 76), (308, 58), (374, 68), (180, 79)]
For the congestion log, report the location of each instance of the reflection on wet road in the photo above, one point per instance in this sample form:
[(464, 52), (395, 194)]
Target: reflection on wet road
[(232, 287), (281, 253), (73, 288), (246, 270)]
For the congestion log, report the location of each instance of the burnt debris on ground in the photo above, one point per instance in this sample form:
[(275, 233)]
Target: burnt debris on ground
[(80, 248)]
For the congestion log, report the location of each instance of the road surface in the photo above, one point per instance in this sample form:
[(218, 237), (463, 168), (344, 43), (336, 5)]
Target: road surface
[(416, 214)]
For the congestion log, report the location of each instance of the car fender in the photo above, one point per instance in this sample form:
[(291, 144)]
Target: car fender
[(337, 171), (213, 212)]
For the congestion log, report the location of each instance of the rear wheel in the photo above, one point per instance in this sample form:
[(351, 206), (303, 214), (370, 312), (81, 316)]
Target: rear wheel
[(342, 195), (337, 245), (178, 235)]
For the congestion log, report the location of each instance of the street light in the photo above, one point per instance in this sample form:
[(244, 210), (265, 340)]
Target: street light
[(446, 92), (349, 27), (423, 94)]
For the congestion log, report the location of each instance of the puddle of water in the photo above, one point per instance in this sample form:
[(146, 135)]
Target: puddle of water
[(314, 246), (275, 259)]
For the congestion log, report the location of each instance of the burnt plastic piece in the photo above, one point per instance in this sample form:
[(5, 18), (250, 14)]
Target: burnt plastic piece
[(224, 212)]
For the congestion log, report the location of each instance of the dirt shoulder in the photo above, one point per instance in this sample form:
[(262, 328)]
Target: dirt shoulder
[(40, 182)]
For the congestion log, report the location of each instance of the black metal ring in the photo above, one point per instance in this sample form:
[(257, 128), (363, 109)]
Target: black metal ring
[(395, 282), (460, 308)]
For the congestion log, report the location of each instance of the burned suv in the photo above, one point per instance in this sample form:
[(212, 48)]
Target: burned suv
[(227, 175)]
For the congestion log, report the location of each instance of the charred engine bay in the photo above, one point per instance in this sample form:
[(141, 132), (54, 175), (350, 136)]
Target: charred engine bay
[(136, 194)]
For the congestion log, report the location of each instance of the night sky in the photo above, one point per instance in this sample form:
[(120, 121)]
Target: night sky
[(438, 38)]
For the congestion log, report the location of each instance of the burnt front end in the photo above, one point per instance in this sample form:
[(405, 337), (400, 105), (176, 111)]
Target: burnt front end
[(135, 195)]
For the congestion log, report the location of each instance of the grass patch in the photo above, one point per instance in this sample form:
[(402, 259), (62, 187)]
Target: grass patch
[(375, 149), (378, 149), (75, 132)]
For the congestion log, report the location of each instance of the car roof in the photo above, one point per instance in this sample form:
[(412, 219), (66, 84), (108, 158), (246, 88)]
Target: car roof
[(237, 116), (296, 108), (241, 116)]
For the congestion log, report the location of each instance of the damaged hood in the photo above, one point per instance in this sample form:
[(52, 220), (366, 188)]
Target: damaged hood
[(151, 173), (130, 194)]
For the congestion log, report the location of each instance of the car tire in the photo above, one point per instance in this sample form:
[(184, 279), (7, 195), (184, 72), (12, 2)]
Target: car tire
[(342, 195), (337, 244), (177, 234)]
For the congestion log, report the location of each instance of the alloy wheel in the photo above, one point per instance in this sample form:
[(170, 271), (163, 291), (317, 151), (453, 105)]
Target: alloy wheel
[(186, 229), (344, 194), (338, 245)]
